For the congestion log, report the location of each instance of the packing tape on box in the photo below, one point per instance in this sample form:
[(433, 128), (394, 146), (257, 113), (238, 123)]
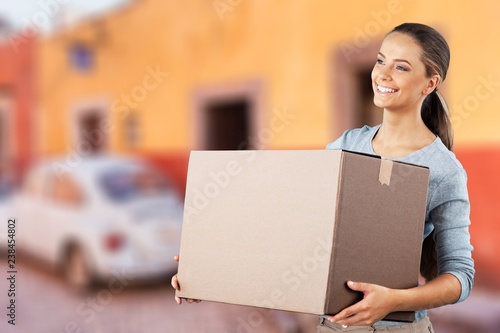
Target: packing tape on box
[(385, 173)]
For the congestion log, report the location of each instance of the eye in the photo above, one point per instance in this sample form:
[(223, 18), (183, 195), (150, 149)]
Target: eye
[(380, 61), (401, 68)]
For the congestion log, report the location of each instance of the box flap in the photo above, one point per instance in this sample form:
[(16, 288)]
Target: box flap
[(378, 156)]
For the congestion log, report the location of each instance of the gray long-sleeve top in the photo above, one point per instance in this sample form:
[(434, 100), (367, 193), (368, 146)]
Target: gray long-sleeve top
[(447, 202)]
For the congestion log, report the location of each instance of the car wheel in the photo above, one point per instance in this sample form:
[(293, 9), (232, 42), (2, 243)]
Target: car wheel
[(77, 270)]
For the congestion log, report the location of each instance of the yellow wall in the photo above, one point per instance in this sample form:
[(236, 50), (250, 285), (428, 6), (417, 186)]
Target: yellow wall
[(286, 44)]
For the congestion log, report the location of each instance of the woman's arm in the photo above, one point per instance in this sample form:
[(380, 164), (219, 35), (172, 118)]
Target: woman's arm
[(379, 301)]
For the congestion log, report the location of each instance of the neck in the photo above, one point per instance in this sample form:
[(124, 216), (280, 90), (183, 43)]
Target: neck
[(401, 133), (401, 126)]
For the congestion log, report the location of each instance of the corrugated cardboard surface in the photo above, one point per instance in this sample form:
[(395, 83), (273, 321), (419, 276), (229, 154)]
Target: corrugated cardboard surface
[(259, 226), (379, 229), (265, 238)]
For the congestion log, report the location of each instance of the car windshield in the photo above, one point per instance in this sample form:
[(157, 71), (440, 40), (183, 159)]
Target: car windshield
[(125, 185)]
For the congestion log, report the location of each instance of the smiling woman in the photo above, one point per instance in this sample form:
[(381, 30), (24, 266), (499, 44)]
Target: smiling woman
[(400, 82), (412, 62)]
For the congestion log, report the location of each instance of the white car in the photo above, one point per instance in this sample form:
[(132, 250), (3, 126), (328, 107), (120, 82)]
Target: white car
[(100, 218)]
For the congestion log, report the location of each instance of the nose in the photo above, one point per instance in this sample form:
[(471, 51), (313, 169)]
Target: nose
[(382, 73)]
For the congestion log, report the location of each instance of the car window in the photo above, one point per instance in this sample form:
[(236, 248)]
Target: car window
[(64, 190), (123, 185)]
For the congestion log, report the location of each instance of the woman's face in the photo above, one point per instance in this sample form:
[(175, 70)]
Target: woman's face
[(399, 78)]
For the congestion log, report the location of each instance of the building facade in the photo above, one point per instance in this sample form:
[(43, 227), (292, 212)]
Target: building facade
[(160, 78), (17, 108)]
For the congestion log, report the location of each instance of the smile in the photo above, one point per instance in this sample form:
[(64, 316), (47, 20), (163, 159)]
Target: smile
[(383, 89)]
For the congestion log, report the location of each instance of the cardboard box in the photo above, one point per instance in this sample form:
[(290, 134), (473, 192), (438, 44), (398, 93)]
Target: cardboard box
[(287, 229)]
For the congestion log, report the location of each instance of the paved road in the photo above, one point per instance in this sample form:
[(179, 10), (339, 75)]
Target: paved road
[(44, 304)]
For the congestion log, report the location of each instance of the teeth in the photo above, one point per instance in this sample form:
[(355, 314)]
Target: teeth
[(386, 90)]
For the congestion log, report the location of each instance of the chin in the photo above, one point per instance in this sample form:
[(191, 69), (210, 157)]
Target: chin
[(380, 104)]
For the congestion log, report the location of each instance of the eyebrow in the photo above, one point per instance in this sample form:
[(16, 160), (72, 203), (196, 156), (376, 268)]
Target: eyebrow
[(397, 60)]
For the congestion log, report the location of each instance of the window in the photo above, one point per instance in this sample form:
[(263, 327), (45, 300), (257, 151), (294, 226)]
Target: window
[(81, 57), (124, 185)]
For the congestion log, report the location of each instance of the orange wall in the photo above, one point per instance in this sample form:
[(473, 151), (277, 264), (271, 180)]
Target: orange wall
[(286, 44), (289, 46)]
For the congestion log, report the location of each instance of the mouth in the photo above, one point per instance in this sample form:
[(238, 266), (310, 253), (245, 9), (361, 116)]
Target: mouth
[(386, 90)]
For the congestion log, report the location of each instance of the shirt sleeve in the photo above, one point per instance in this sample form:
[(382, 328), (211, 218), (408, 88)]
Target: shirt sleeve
[(345, 141), (337, 144), (450, 216)]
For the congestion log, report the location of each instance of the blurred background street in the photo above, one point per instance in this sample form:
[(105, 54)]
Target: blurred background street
[(46, 304), (101, 103)]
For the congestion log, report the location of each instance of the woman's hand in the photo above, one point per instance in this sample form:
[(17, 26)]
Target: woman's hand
[(377, 302), (175, 284)]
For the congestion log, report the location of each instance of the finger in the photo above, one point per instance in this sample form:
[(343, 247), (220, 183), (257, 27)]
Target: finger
[(174, 282), (344, 314), (195, 300), (178, 300), (359, 286), (355, 285), (354, 320), (189, 300), (176, 258)]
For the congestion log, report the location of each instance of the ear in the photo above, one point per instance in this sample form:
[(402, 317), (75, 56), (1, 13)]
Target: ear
[(432, 84)]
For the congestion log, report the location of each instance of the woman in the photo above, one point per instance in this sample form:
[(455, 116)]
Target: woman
[(412, 63)]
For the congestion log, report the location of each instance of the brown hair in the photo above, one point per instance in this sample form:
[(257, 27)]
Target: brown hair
[(436, 58)]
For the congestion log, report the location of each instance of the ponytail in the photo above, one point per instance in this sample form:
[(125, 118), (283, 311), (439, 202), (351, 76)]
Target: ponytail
[(434, 112), (435, 115)]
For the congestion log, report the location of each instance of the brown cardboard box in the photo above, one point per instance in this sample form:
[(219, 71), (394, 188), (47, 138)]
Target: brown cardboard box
[(286, 229)]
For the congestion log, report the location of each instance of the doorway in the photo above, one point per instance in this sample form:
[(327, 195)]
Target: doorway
[(227, 124), (91, 134), (226, 117), (90, 131), (366, 112), (352, 89)]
